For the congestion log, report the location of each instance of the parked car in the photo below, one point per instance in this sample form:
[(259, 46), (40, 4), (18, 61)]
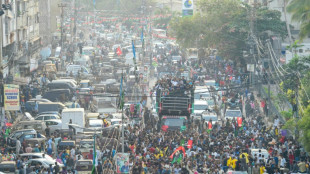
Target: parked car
[(58, 95), (47, 117), (38, 156), (42, 162), (54, 125)]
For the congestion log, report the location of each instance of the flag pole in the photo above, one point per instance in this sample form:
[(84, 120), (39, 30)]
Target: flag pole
[(123, 141)]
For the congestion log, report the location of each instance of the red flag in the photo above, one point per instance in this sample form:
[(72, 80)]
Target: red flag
[(164, 128), (239, 120), (190, 144), (179, 148), (119, 51), (8, 124), (209, 125)]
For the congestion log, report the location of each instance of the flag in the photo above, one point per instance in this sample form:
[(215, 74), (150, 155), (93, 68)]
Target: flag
[(209, 125), (182, 142), (119, 51), (133, 50), (239, 120), (121, 94), (190, 144), (164, 128), (183, 128), (94, 2), (93, 171), (179, 148), (142, 36)]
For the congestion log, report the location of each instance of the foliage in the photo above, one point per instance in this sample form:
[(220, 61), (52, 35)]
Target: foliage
[(300, 13), (304, 126), (290, 124), (225, 30), (287, 114)]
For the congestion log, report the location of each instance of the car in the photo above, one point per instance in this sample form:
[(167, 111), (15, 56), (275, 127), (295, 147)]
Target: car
[(55, 125), (20, 132), (199, 107), (42, 162), (38, 156), (231, 113), (47, 117), (22, 137), (207, 116)]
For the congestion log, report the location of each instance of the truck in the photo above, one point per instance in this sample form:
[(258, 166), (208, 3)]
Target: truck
[(77, 116), (174, 107)]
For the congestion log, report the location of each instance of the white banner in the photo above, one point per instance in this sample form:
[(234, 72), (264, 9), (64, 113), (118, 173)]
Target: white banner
[(33, 64), (188, 5)]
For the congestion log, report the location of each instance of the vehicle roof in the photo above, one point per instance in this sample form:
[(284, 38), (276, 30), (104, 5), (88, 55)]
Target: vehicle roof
[(84, 81), (93, 114), (31, 121), (8, 162), (200, 102), (37, 153), (21, 130), (87, 140), (95, 121), (72, 109), (116, 119), (55, 120)]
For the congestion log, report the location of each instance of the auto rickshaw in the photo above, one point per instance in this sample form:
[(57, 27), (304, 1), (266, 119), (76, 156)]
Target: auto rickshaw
[(84, 166), (36, 141)]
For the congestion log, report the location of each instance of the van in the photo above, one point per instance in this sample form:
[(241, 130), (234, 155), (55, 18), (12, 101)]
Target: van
[(199, 107), (39, 126), (71, 82), (74, 69), (77, 116), (61, 95), (61, 85), (50, 107)]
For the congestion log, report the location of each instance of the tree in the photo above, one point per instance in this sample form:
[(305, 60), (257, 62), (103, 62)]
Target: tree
[(225, 30), (304, 126), (300, 10)]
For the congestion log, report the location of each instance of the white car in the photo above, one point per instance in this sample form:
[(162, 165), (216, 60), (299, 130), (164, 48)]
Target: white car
[(54, 125), (199, 107), (42, 163), (37, 156), (47, 117), (233, 113)]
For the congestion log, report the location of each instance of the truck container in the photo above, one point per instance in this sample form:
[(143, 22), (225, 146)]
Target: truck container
[(77, 116)]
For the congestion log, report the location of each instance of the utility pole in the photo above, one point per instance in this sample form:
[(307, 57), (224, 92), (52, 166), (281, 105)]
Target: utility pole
[(62, 20), (296, 113)]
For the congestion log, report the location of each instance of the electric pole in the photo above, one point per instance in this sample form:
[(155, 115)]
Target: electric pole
[(62, 21)]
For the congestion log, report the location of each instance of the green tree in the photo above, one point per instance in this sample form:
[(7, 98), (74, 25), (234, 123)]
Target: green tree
[(226, 30), (304, 126), (300, 10)]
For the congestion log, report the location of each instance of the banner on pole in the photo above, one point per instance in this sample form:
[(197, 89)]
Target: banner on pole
[(11, 97), (122, 163), (187, 7)]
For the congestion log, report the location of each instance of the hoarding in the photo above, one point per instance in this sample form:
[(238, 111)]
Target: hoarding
[(122, 163), (11, 97)]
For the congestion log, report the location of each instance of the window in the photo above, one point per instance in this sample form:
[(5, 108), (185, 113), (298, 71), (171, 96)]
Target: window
[(39, 118)]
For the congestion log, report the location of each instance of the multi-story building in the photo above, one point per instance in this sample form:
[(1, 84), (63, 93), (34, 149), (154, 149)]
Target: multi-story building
[(28, 37), (8, 35)]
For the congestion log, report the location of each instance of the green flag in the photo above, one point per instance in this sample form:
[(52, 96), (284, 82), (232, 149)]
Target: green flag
[(179, 160), (93, 171), (182, 142), (174, 160), (183, 128)]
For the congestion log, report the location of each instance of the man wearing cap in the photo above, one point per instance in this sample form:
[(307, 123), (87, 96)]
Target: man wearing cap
[(36, 148)]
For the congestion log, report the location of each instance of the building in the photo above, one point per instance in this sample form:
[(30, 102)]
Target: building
[(8, 35), (28, 38)]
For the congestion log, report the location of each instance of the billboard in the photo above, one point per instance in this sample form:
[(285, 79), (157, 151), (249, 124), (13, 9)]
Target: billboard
[(187, 7), (122, 163), (11, 97)]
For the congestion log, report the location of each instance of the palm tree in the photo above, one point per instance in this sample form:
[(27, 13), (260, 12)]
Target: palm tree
[(301, 13)]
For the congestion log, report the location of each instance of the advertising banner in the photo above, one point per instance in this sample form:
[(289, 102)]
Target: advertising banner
[(122, 163), (11, 97), (187, 7)]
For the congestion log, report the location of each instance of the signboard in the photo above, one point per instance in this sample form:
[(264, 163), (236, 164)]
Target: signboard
[(187, 7), (122, 163), (33, 64), (250, 67), (11, 97)]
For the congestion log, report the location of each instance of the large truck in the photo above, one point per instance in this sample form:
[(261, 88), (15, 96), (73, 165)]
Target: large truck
[(77, 116), (174, 107)]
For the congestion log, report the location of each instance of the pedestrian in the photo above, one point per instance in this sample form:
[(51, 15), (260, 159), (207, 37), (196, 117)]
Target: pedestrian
[(47, 131), (18, 146)]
